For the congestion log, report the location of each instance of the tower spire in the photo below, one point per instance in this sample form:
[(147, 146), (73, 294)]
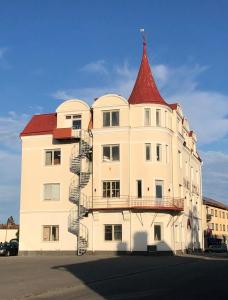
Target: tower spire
[(145, 89)]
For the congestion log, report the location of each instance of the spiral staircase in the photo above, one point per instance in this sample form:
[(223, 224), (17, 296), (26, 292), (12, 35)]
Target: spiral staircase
[(81, 167)]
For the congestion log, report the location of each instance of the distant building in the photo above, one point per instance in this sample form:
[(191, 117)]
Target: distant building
[(215, 221), (117, 176)]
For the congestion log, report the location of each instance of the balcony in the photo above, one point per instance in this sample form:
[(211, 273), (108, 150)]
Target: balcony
[(133, 203)]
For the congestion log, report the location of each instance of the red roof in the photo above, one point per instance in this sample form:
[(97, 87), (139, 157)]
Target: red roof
[(145, 89), (40, 124)]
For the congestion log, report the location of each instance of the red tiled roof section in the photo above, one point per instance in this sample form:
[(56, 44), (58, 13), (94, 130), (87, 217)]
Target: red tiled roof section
[(40, 124), (145, 89)]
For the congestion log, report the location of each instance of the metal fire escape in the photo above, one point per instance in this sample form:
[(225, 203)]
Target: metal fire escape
[(81, 166)]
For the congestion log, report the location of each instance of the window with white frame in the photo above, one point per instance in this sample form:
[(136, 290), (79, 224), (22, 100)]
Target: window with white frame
[(113, 232), (52, 157), (157, 231), (111, 153), (110, 118), (158, 117), (148, 151), (52, 191), (76, 121), (159, 152), (111, 189), (147, 117), (50, 233)]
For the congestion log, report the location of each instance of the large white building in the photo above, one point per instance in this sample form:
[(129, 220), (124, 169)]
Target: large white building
[(117, 176)]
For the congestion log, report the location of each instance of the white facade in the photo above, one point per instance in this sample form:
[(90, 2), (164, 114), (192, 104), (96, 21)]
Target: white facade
[(178, 169)]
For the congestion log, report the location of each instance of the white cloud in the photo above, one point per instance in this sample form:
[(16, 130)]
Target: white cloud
[(10, 127), (215, 175), (95, 67)]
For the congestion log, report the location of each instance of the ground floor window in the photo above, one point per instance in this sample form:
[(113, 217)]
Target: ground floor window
[(157, 232), (50, 232), (113, 232)]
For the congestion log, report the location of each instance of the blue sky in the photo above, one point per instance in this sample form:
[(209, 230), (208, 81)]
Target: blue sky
[(52, 50)]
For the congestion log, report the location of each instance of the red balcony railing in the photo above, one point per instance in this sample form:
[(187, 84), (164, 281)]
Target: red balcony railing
[(123, 202)]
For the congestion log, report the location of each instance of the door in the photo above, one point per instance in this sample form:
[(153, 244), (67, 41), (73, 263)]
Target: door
[(159, 190)]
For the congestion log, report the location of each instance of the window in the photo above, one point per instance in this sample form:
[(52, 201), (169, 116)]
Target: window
[(159, 189), (77, 122), (50, 233), (224, 228), (216, 227), (157, 232), (220, 227), (111, 189), (139, 188), (212, 212), (216, 213), (147, 119), (158, 117), (166, 119), (180, 158), (111, 153), (148, 151), (212, 226), (52, 157), (220, 214), (166, 153), (197, 177), (186, 168), (113, 233), (158, 151), (110, 118), (51, 191), (223, 215)]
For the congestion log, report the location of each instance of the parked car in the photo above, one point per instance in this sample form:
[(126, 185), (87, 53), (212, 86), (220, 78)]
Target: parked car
[(219, 248), (9, 248)]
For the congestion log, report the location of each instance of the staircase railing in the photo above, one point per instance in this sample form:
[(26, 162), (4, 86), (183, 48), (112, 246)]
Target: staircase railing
[(81, 152)]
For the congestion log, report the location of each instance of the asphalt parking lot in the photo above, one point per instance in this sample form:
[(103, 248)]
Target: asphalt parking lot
[(113, 277)]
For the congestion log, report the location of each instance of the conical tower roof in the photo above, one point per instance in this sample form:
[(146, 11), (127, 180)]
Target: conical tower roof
[(145, 89)]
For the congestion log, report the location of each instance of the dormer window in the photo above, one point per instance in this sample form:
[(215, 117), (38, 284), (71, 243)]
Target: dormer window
[(77, 122), (110, 118)]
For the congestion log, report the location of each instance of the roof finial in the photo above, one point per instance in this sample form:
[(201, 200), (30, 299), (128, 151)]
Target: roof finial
[(143, 36)]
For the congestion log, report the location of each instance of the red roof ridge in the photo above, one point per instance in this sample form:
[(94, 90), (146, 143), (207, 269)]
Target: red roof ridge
[(145, 89)]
